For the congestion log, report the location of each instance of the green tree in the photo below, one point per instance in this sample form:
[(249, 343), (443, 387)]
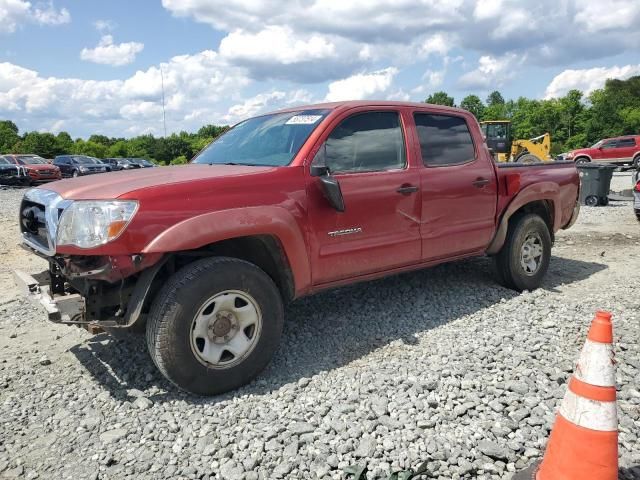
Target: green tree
[(495, 98), (64, 143), (440, 98), (101, 139), (119, 149), (473, 104), (90, 148), (8, 136), (43, 144)]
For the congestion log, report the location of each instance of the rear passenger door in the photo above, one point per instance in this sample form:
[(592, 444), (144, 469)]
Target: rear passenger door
[(380, 228), (459, 188), (625, 149)]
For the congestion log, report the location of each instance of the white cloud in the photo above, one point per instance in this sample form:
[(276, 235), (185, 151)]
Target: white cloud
[(193, 83), (491, 72), (275, 44), (14, 13), (588, 79), (252, 106), (435, 44), (104, 25), (48, 15), (109, 53), (361, 85), (599, 15)]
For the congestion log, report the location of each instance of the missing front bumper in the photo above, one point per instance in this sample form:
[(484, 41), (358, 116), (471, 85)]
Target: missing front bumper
[(68, 309)]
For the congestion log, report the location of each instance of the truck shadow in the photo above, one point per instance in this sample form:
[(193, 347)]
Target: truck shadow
[(333, 328)]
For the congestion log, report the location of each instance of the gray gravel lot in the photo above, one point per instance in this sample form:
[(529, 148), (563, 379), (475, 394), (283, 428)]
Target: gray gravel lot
[(441, 365)]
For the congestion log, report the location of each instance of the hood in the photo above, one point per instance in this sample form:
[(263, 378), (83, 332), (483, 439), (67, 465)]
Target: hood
[(39, 166), (115, 184)]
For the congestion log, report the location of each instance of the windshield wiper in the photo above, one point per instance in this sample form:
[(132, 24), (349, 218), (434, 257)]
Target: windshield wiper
[(242, 164)]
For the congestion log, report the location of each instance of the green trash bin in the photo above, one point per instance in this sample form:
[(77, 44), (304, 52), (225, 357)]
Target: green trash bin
[(595, 182)]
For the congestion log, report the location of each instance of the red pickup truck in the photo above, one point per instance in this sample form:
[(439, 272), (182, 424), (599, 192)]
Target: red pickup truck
[(204, 256)]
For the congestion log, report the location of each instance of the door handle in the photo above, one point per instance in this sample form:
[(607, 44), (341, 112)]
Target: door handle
[(407, 189), (480, 182)]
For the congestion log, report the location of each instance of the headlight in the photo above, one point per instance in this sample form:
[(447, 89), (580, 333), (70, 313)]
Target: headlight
[(83, 169), (90, 223), (570, 155)]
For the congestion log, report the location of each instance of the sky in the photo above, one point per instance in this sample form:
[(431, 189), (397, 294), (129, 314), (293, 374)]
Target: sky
[(95, 66)]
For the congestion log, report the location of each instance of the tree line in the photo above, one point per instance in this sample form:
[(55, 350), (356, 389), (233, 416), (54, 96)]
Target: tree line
[(174, 149), (574, 121)]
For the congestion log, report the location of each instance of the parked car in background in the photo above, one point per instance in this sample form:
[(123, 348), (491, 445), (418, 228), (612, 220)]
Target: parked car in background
[(11, 174), (79, 165), (618, 151), (280, 206), (36, 168), (120, 163), (142, 162)]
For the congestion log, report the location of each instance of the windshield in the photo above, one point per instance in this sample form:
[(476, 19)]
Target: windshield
[(31, 161), (597, 144), (123, 161), (271, 140), (4, 161), (86, 160)]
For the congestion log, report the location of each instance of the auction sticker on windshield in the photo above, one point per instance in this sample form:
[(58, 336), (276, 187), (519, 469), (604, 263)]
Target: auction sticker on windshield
[(303, 119)]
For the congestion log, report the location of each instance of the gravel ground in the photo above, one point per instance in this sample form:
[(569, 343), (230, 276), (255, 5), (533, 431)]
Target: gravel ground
[(440, 365)]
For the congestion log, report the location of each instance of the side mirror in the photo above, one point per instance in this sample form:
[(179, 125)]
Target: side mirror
[(330, 185), (332, 192)]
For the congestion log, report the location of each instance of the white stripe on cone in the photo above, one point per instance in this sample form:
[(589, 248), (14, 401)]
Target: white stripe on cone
[(601, 416), (596, 364)]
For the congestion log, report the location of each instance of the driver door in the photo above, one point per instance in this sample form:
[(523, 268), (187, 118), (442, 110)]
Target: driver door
[(379, 230)]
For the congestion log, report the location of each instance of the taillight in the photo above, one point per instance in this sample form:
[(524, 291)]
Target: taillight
[(637, 187)]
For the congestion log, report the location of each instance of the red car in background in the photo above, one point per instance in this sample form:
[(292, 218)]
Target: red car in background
[(618, 151), (38, 169)]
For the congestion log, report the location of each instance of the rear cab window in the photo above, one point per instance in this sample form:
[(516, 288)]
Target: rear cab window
[(445, 140)]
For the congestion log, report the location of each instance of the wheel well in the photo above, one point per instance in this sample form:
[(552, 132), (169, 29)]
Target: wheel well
[(264, 251), (542, 208), (582, 156)]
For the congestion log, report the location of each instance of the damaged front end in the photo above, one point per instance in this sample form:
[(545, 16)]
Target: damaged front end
[(96, 291)]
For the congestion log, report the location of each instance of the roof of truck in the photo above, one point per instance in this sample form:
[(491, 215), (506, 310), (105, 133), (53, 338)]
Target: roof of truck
[(366, 103)]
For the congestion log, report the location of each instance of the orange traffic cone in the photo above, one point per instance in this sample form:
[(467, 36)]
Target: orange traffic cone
[(584, 440)]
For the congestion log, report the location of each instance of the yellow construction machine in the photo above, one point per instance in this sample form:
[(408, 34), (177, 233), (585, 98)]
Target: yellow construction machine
[(498, 135)]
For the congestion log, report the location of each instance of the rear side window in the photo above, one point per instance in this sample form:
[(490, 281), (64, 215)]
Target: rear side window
[(626, 142), (444, 140), (366, 142)]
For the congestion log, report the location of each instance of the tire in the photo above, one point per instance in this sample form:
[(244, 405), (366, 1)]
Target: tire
[(171, 328), (508, 262), (580, 160), (636, 162), (75, 174), (638, 215), (604, 201), (591, 201), (528, 158)]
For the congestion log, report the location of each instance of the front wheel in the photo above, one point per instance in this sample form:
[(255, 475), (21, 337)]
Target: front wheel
[(636, 162), (524, 258), (528, 158), (74, 174), (582, 160), (215, 325)]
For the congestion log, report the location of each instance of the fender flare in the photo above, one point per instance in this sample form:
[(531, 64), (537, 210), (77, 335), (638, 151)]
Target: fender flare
[(199, 231), (543, 191), (583, 155)]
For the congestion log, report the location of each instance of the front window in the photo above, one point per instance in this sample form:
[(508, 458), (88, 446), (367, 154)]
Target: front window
[(495, 130), (4, 161), (31, 160), (597, 144), (271, 140)]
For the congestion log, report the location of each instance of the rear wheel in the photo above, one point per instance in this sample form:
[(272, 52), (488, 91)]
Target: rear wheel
[(524, 258), (215, 325)]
